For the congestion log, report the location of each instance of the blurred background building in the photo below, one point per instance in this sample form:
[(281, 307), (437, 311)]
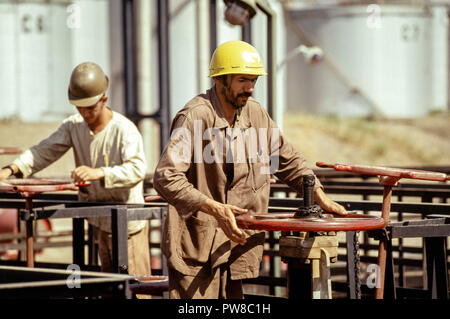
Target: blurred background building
[(346, 58)]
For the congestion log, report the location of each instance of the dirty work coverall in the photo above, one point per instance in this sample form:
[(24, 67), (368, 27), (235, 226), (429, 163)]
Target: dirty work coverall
[(194, 244)]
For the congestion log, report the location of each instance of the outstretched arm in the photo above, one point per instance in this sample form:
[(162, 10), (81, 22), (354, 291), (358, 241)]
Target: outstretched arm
[(43, 154)]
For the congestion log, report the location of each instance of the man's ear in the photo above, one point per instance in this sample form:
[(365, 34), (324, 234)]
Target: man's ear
[(217, 81), (104, 99), (223, 80)]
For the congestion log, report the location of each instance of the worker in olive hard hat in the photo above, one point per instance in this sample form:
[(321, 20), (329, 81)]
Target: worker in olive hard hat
[(108, 152), (217, 164)]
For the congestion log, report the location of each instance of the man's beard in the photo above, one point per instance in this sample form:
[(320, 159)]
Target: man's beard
[(233, 101)]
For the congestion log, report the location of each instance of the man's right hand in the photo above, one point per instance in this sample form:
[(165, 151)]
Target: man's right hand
[(224, 213)]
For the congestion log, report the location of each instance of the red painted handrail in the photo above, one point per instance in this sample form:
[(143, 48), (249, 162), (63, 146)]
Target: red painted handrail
[(29, 186), (10, 150), (387, 171)]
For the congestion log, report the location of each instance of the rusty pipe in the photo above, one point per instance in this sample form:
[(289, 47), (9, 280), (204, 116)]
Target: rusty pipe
[(29, 234), (10, 150), (387, 171), (385, 212)]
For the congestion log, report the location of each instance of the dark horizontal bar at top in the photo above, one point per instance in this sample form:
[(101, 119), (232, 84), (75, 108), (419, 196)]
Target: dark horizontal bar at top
[(38, 203), (373, 191), (425, 208), (417, 192), (420, 231), (343, 188), (144, 213), (434, 221), (47, 195), (401, 184), (133, 213), (20, 203)]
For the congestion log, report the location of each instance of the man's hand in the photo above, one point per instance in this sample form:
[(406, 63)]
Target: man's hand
[(327, 204), (6, 172), (224, 213), (83, 173)]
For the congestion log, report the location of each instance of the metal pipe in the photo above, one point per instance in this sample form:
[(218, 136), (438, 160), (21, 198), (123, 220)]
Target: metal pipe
[(143, 56), (385, 211), (246, 32), (29, 233), (212, 28), (164, 71), (162, 115), (129, 39), (203, 47), (264, 6), (308, 190)]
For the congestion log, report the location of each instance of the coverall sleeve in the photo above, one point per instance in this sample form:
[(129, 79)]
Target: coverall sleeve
[(170, 178)]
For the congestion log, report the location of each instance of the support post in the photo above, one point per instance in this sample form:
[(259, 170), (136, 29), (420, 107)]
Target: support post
[(385, 212), (119, 230)]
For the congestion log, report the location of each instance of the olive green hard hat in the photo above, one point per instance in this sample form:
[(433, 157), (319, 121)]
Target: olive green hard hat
[(87, 85)]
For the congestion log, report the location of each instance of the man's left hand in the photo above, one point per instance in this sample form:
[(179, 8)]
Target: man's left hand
[(84, 173), (328, 204)]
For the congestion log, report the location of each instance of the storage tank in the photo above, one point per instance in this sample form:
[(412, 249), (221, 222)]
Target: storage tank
[(377, 60), (41, 41)]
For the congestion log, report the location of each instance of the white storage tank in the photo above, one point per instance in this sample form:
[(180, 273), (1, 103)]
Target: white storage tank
[(377, 60), (41, 41)]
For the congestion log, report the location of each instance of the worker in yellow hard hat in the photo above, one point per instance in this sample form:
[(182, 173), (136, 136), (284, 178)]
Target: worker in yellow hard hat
[(108, 151), (217, 164)]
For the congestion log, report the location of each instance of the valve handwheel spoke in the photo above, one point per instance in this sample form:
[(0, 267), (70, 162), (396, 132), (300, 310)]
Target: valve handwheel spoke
[(30, 186)]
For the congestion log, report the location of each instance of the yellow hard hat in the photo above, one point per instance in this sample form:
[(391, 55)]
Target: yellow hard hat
[(87, 85), (236, 57)]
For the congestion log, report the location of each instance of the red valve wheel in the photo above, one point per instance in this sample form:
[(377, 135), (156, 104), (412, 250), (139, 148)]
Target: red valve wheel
[(152, 198), (10, 150), (30, 186), (387, 171), (329, 222)]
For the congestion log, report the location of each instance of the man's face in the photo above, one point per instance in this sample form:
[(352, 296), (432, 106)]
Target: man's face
[(92, 113), (240, 88)]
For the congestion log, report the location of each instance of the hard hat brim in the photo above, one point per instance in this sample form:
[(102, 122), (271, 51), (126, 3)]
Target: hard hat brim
[(86, 102), (214, 74)]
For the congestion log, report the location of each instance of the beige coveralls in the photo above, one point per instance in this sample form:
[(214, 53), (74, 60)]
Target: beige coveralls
[(195, 246), (118, 150)]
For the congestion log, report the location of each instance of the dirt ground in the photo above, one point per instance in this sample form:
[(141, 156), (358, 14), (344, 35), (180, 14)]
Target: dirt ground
[(421, 141)]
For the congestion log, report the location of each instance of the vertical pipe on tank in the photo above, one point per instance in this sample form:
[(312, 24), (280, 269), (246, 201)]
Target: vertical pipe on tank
[(203, 46), (164, 71)]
